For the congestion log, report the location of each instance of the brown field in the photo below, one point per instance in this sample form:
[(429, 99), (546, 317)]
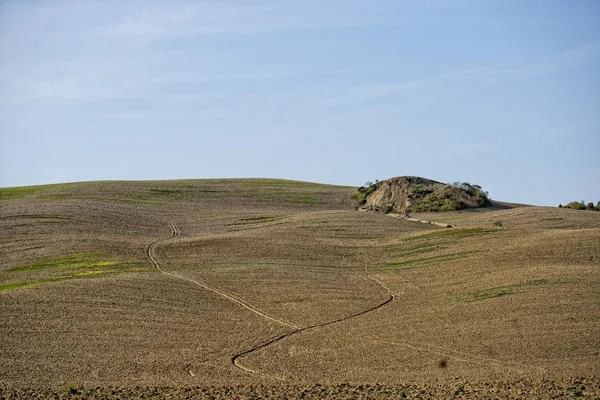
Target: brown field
[(280, 289)]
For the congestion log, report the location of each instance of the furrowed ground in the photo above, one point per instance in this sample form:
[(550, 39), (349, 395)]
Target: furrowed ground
[(277, 288)]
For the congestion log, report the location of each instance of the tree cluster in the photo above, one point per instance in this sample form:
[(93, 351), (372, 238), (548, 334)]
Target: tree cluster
[(581, 205)]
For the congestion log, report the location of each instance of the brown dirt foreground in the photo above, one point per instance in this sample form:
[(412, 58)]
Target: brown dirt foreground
[(584, 388)]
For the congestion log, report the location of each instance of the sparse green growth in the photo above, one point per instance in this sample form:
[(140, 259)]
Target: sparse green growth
[(501, 291), (18, 285), (452, 233), (412, 263), (257, 220), (8, 193), (85, 265), (460, 389)]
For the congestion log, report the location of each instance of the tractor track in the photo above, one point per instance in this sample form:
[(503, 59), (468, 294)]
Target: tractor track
[(175, 233), (236, 358)]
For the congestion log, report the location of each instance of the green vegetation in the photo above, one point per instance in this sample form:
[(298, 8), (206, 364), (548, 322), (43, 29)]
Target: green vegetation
[(447, 235), (256, 220), (72, 390), (501, 291), (64, 262), (420, 194), (412, 263), (460, 389), (581, 205), (416, 251), (85, 265), (19, 285), (447, 197), (7, 193), (365, 191)]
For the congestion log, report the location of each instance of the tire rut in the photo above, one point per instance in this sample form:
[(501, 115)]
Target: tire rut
[(175, 232), (235, 359)]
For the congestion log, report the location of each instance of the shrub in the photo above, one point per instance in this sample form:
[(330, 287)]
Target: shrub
[(575, 205), (497, 223), (364, 192), (72, 390)]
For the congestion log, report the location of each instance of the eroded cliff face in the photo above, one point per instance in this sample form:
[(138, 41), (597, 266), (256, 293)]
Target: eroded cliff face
[(412, 193)]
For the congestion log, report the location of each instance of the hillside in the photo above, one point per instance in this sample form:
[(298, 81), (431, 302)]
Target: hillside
[(406, 194), (261, 287)]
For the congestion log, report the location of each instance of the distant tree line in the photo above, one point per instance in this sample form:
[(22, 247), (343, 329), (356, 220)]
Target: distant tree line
[(581, 205)]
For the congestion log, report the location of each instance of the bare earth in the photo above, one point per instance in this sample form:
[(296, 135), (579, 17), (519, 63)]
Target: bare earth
[(279, 289)]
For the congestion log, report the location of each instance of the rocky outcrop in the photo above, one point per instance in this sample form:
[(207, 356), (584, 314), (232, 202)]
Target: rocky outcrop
[(404, 194)]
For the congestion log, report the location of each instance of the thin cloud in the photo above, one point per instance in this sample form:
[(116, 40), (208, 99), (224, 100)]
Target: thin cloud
[(571, 57), (158, 21)]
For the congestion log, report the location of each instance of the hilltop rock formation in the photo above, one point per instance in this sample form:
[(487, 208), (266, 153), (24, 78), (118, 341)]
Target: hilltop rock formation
[(412, 193)]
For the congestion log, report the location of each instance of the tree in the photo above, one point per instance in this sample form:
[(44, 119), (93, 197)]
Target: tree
[(575, 205), (560, 206)]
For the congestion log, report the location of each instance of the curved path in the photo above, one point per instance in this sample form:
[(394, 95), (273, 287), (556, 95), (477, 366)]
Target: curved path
[(235, 359), (175, 233)]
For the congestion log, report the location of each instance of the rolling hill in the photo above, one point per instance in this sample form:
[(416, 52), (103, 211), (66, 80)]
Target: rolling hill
[(264, 287)]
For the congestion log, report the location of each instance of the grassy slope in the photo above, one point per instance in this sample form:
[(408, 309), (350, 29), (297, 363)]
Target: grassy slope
[(494, 302)]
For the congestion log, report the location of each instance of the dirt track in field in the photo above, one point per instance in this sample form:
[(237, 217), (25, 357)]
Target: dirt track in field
[(236, 359)]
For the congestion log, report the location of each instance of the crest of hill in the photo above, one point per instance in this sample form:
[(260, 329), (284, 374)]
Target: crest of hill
[(412, 193)]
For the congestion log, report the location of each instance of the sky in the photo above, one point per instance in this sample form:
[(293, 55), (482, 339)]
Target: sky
[(501, 93)]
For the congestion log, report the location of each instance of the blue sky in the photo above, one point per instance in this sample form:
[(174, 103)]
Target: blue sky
[(503, 93)]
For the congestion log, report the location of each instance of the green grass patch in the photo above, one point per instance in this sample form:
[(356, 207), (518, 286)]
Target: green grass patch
[(409, 249), (412, 263), (70, 261), (19, 285), (256, 220), (260, 219), (84, 265), (454, 233), (500, 291), (12, 192)]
